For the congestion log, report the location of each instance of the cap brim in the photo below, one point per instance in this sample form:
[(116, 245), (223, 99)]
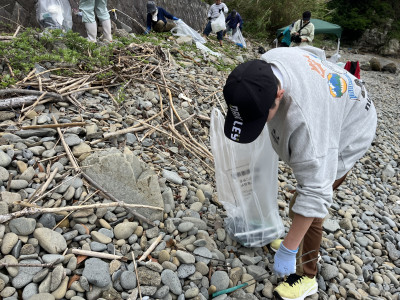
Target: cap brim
[(249, 131)]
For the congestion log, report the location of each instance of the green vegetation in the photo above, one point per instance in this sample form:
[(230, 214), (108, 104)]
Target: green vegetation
[(263, 18), (68, 52), (356, 16)]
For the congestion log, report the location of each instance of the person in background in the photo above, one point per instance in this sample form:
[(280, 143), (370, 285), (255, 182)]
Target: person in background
[(302, 33), (320, 122), (88, 9), (234, 21), (285, 42), (213, 13), (157, 18)]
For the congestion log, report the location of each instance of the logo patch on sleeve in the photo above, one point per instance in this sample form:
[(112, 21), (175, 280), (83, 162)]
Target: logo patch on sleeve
[(337, 85)]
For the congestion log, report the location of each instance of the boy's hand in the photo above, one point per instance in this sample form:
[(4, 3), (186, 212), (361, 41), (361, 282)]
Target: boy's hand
[(285, 261)]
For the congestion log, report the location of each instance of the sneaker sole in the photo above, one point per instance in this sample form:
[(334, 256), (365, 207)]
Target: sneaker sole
[(312, 291)]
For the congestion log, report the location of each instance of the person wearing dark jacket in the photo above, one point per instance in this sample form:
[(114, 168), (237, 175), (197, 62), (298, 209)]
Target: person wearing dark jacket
[(157, 18), (234, 21)]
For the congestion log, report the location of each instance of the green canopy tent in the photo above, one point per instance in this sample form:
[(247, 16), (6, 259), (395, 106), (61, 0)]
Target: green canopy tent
[(322, 27)]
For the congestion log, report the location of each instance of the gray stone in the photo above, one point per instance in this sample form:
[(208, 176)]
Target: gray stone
[(22, 226), (148, 277), (4, 175), (42, 296), (72, 140), (185, 257), (171, 176), (30, 290), (171, 279), (18, 184), (331, 225), (5, 160), (125, 177), (25, 274), (329, 271), (128, 280), (185, 270), (52, 241), (162, 292), (125, 229), (9, 241), (9, 197), (96, 272), (220, 280), (49, 258), (202, 254)]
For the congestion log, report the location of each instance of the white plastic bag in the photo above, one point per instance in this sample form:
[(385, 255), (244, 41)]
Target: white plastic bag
[(218, 24), (247, 185), (182, 29), (238, 38), (207, 50), (54, 14)]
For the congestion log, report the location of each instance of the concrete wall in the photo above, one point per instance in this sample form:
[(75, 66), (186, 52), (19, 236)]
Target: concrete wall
[(192, 12)]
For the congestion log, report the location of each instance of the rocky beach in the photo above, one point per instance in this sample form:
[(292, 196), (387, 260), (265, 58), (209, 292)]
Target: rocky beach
[(140, 159)]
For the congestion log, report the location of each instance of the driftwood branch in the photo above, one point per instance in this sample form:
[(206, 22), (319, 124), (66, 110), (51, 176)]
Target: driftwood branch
[(29, 92), (17, 102)]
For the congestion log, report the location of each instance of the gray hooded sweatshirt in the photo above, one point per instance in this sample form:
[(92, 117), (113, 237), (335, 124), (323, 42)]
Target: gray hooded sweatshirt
[(324, 124)]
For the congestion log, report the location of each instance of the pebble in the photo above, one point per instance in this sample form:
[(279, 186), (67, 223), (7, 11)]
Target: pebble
[(96, 272), (52, 241)]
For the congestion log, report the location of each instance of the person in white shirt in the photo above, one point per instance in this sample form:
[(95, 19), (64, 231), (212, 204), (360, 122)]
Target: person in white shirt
[(320, 121), (213, 13)]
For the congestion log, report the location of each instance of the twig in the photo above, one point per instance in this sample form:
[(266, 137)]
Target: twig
[(48, 181), (112, 98), (48, 265), (90, 88), (32, 107), (81, 204), (123, 131), (62, 125), (98, 254), (16, 31), (161, 104), (137, 276), (67, 149), (151, 248)]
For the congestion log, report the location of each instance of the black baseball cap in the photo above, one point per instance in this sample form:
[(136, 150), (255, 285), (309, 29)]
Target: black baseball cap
[(249, 92)]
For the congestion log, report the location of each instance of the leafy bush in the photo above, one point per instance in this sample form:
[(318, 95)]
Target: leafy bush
[(356, 16)]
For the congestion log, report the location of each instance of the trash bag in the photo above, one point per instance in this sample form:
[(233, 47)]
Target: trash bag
[(218, 24), (247, 185), (203, 48), (54, 14), (182, 29), (238, 38), (334, 58)]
